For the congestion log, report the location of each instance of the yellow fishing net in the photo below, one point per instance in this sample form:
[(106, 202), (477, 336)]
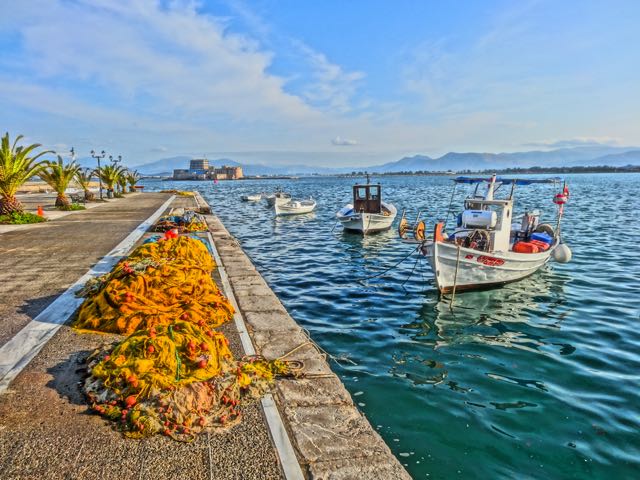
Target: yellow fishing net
[(182, 193), (159, 283), (174, 374), (176, 379)]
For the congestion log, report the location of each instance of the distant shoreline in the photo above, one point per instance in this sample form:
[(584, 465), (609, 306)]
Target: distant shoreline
[(505, 171), (424, 173)]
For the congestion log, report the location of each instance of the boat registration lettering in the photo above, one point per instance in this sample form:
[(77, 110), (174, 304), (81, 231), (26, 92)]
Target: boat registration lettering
[(490, 261)]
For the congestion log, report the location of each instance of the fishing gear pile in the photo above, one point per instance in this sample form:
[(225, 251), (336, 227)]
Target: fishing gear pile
[(184, 221), (159, 283), (174, 374), (181, 193)]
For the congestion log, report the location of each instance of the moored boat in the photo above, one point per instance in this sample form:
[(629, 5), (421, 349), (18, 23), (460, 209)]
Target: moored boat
[(368, 213), (485, 249), (295, 207), (278, 198), (252, 198)]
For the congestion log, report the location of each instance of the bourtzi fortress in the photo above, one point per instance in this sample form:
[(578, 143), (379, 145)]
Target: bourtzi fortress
[(199, 169)]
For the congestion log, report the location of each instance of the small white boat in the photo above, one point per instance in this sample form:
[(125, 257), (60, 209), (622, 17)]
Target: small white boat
[(278, 198), (368, 213), (295, 207), (485, 250), (252, 198)]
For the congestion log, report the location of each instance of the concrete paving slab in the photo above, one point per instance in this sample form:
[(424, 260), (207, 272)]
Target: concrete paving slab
[(260, 304), (253, 291), (332, 432), (271, 321), (308, 392), (375, 467)]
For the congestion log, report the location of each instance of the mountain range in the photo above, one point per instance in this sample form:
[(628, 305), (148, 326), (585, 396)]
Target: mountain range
[(576, 156)]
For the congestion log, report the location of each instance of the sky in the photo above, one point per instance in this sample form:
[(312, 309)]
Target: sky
[(327, 83)]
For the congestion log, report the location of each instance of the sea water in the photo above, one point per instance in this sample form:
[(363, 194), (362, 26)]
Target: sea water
[(538, 379)]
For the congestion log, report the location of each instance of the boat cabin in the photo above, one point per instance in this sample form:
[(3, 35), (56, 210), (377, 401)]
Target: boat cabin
[(492, 215), (367, 198)]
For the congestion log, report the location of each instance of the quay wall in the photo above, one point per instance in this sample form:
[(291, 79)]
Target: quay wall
[(331, 437)]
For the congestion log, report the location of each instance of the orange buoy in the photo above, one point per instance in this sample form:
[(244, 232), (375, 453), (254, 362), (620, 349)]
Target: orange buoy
[(40, 212)]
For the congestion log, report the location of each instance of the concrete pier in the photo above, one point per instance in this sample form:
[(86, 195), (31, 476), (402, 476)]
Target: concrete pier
[(46, 431)]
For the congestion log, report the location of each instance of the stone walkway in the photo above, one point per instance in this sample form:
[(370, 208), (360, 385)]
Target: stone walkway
[(40, 261)]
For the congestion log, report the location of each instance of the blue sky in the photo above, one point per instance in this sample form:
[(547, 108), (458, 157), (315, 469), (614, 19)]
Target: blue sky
[(326, 83)]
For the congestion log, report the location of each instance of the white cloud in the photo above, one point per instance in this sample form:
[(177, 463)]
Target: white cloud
[(159, 149), (331, 88), (577, 142), (343, 142), (164, 60)]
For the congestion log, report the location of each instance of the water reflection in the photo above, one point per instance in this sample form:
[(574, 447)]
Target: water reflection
[(508, 317)]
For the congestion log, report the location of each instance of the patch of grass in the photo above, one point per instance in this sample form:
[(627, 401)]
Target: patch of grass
[(23, 218), (72, 207)]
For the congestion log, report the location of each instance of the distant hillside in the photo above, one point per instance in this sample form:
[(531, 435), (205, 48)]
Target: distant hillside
[(617, 159), (456, 161), (480, 161)]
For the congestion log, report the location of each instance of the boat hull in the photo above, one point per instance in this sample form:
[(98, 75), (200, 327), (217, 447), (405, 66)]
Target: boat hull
[(251, 198), (479, 270), (366, 223), (288, 209)]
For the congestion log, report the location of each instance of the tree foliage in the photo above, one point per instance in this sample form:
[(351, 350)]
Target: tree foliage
[(59, 175), (17, 165)]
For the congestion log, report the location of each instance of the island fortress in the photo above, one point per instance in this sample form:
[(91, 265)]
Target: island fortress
[(199, 169)]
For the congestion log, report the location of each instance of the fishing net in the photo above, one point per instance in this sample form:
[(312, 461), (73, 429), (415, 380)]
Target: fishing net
[(159, 283), (177, 380), (188, 221), (181, 193), (174, 374)]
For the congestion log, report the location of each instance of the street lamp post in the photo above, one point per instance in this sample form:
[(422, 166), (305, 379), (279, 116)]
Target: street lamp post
[(115, 162), (98, 157)]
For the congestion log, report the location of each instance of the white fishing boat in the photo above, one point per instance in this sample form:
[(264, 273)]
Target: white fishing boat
[(252, 198), (278, 198), (295, 207), (485, 249), (368, 213)]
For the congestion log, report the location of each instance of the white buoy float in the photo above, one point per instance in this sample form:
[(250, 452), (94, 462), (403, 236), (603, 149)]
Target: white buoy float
[(562, 253)]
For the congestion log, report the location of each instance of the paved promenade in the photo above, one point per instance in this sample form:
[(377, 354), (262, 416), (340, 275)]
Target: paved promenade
[(38, 262)]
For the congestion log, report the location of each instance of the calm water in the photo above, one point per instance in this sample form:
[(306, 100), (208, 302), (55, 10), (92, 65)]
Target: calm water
[(539, 379)]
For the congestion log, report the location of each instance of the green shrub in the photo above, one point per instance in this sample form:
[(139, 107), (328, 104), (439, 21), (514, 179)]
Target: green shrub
[(17, 218), (72, 207)]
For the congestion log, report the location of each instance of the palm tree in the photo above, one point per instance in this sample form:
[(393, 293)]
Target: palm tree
[(110, 175), (122, 181), (59, 176), (132, 179), (83, 178), (16, 167)]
